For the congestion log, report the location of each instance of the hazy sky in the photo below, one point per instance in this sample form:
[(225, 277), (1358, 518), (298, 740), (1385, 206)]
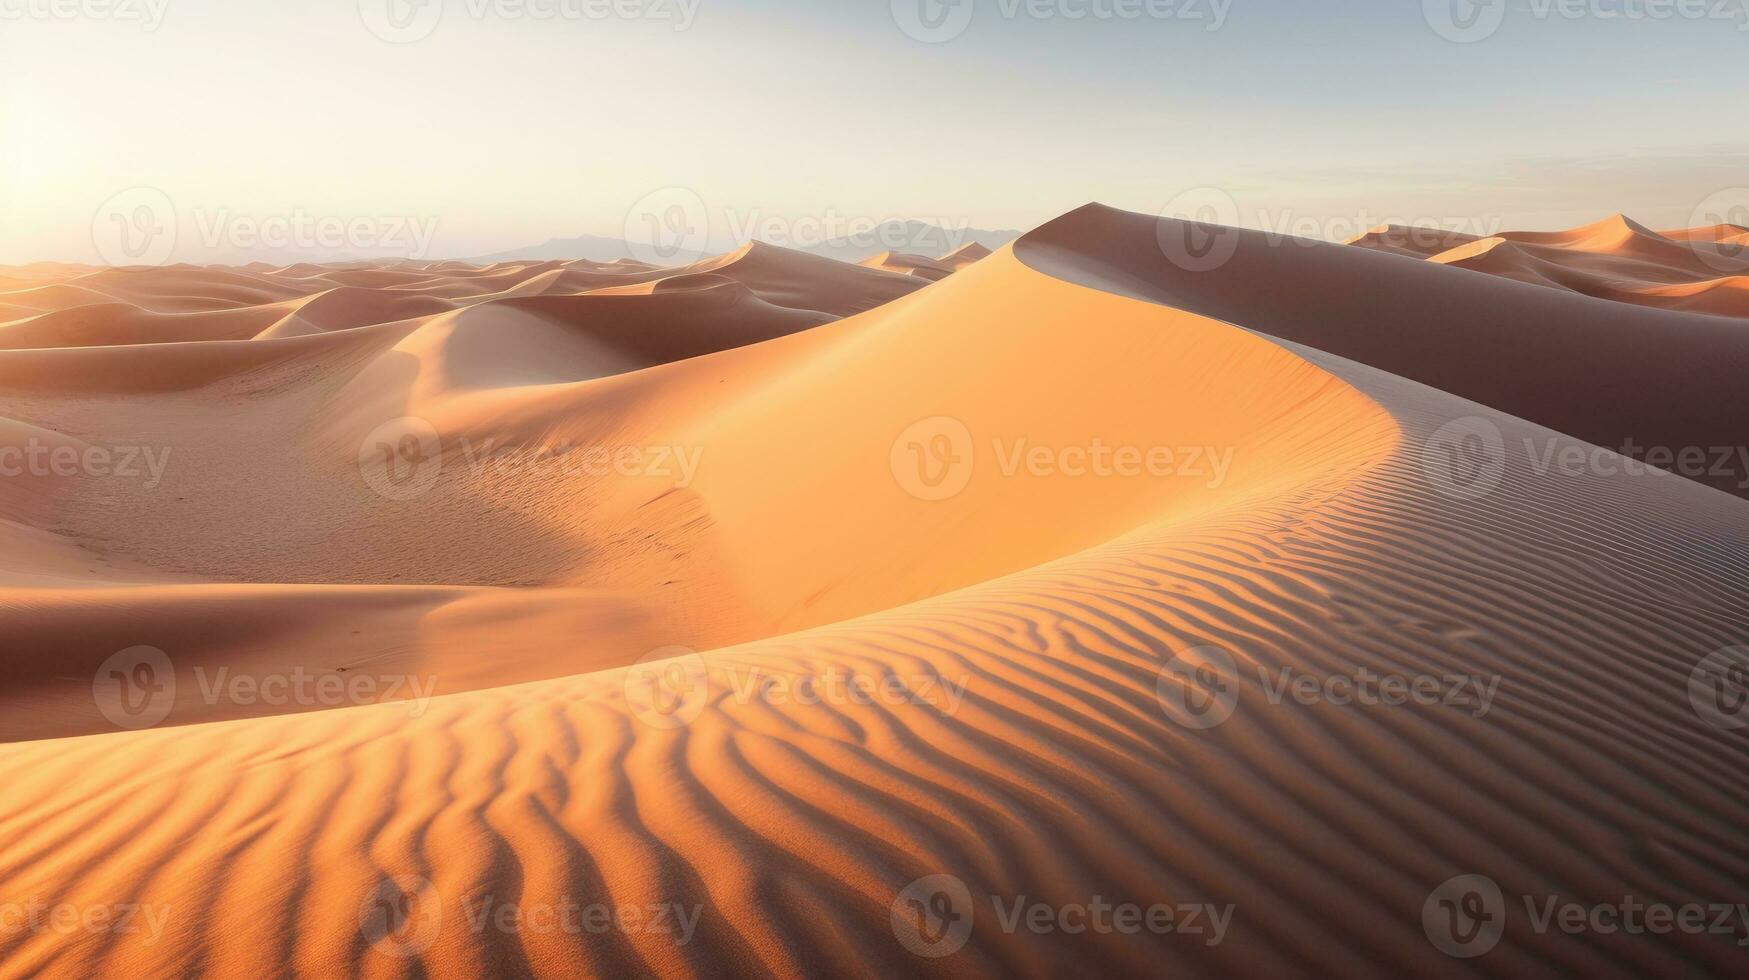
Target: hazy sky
[(494, 126)]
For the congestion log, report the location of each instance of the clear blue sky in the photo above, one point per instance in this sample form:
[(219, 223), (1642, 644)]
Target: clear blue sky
[(507, 129)]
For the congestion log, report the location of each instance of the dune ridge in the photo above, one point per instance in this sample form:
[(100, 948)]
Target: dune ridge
[(1616, 375), (1697, 270), (1335, 543)]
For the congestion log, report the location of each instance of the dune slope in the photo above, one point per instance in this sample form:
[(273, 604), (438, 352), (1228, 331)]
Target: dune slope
[(1699, 270), (1639, 381), (862, 511)]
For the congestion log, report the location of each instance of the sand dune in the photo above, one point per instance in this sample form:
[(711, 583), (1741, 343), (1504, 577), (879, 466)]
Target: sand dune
[(1699, 270), (963, 256), (1421, 242), (1617, 375), (808, 282), (869, 500), (116, 323), (909, 264)]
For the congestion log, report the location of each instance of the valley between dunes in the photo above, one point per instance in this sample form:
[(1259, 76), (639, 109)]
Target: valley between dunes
[(762, 589)]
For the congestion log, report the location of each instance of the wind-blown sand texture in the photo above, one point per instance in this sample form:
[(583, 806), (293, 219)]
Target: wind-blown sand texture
[(1380, 503)]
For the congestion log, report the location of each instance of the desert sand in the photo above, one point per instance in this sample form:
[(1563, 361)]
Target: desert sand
[(599, 676), (1701, 270)]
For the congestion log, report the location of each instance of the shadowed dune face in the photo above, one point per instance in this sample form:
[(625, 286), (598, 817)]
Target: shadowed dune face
[(1091, 669), (1654, 384), (1698, 270)]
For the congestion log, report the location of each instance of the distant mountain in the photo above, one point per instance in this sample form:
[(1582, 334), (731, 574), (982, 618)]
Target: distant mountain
[(917, 237), (913, 237)]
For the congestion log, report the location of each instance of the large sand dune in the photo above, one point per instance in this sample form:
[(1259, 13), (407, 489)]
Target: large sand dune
[(1700, 270), (1050, 508)]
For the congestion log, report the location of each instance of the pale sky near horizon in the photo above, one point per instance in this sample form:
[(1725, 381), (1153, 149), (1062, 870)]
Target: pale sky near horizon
[(498, 128)]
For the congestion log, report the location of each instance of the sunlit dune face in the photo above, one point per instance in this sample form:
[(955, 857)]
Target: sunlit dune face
[(648, 457), (778, 615)]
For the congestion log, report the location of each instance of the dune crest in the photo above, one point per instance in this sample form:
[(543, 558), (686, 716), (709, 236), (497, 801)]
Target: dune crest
[(1697, 270), (856, 511)]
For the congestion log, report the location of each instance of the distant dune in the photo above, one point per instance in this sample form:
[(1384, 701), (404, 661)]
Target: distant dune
[(597, 536), (1700, 270), (866, 240)]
